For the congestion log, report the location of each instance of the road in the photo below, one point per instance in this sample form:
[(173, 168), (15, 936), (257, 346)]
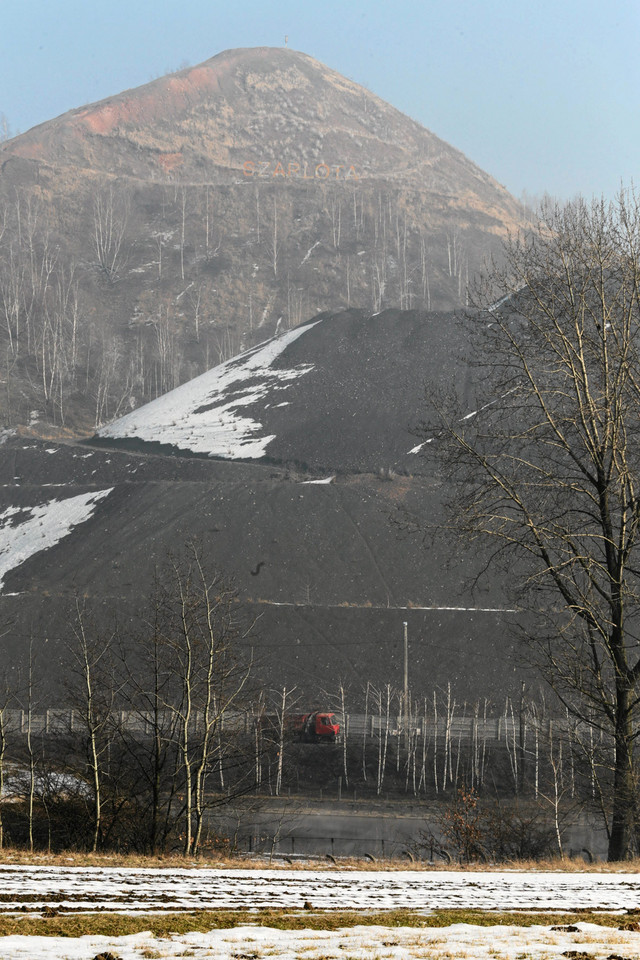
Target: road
[(345, 830)]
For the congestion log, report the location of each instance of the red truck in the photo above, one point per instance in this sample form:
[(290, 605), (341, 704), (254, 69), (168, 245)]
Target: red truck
[(317, 727)]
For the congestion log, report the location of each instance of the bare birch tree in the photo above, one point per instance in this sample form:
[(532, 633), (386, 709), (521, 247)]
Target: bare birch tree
[(4, 706), (546, 470), (283, 699), (94, 695), (196, 622)]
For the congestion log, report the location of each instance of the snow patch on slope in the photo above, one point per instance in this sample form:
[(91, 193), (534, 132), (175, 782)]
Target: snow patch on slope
[(419, 447), (28, 530), (203, 415)]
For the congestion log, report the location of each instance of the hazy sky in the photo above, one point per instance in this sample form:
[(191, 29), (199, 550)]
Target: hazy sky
[(542, 94)]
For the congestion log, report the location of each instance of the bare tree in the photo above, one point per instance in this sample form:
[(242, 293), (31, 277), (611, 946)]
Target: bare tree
[(29, 694), (545, 470), (223, 678), (183, 222), (6, 697), (147, 680), (196, 622), (383, 703), (274, 241), (282, 710), (5, 128), (110, 216), (94, 694)]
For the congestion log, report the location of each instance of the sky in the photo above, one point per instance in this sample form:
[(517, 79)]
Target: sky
[(542, 95)]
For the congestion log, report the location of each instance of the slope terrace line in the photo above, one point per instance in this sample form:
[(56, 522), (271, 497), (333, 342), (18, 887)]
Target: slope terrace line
[(383, 606)]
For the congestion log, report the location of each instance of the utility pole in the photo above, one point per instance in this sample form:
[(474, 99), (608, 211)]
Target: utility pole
[(406, 685)]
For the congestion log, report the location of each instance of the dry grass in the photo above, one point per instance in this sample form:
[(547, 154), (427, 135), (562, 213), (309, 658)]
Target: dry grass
[(11, 856), (201, 921)]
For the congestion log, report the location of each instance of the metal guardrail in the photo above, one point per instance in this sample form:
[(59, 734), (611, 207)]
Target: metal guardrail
[(68, 721), (293, 846)]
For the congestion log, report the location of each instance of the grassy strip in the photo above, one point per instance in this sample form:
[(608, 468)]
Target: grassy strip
[(200, 921), (15, 857)]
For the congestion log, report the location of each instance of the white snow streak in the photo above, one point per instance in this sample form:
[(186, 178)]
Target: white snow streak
[(498, 303), (467, 416), (420, 446), (309, 252), (374, 606), (41, 527), (485, 405), (202, 415)]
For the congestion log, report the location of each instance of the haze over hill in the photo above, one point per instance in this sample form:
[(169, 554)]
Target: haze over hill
[(152, 238), (228, 115), (149, 236)]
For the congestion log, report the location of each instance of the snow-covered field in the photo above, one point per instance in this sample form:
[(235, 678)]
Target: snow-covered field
[(138, 890), (369, 943), (203, 415), (133, 890)]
